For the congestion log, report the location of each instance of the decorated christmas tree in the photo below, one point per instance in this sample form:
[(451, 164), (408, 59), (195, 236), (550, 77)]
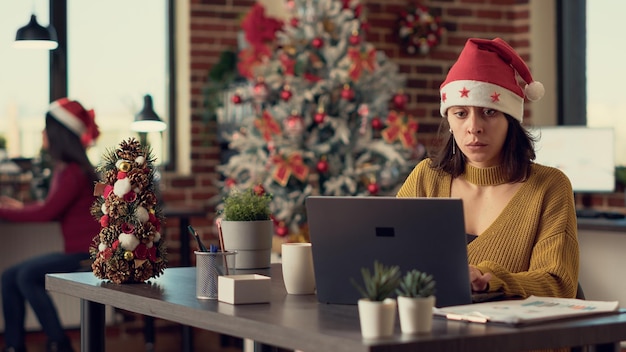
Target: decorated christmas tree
[(322, 111), (129, 247)]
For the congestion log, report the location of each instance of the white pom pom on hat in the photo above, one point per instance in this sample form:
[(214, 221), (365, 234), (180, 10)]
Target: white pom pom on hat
[(486, 75)]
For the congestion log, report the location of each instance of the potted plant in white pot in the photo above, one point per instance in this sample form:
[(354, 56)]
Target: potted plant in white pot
[(377, 310), (246, 226), (416, 299)]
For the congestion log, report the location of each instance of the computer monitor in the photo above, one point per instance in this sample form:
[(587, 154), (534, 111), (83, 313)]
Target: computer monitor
[(585, 154)]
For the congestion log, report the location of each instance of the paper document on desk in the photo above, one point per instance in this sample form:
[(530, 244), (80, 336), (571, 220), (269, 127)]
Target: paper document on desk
[(530, 310)]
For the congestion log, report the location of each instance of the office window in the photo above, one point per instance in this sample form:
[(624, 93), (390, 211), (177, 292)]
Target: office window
[(117, 53), (115, 57), (606, 71), (24, 81)]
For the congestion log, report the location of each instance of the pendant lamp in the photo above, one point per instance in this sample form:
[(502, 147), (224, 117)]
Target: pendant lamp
[(147, 120), (35, 36)]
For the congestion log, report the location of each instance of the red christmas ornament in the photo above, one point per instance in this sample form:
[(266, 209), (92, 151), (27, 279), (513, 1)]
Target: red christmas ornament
[(259, 190), (317, 42), (400, 100), (259, 91), (236, 99), (373, 188), (282, 230), (286, 94), (322, 166), (294, 124), (294, 22), (319, 117), (347, 93), (230, 182), (377, 124), (354, 39)]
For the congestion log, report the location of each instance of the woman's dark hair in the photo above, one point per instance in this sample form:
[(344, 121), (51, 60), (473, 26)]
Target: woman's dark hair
[(518, 152), (65, 146)]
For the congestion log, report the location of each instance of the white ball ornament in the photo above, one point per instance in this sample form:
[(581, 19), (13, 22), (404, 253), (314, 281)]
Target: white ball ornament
[(128, 241), (121, 187), (142, 214), (102, 247), (104, 208), (157, 236), (140, 160)]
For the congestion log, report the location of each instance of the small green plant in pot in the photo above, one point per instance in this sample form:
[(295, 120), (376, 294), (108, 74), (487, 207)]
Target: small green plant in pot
[(381, 284), (416, 284), (247, 227), (416, 299), (250, 204), (377, 310)]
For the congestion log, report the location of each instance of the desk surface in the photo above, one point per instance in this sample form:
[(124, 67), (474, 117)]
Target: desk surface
[(300, 322)]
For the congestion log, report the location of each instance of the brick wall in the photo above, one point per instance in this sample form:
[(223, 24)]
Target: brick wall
[(214, 27)]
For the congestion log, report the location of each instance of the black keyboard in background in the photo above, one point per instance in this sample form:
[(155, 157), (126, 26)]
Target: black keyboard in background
[(589, 213)]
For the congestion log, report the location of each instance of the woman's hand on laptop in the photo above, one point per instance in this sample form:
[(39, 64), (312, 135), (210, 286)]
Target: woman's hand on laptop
[(478, 280)]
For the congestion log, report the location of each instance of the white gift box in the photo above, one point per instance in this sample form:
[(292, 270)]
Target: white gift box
[(244, 289)]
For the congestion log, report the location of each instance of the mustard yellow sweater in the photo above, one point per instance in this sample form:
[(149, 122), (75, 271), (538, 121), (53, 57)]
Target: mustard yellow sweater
[(532, 247)]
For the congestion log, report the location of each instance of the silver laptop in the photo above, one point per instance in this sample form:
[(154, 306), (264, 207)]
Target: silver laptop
[(349, 233)]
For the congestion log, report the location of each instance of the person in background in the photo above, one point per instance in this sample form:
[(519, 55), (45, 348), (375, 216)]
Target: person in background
[(69, 130), (519, 216)]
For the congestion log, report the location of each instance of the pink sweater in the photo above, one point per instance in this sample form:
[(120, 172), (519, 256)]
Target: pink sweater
[(69, 201)]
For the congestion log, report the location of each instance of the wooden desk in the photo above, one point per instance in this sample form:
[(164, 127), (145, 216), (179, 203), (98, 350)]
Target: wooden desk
[(300, 322)]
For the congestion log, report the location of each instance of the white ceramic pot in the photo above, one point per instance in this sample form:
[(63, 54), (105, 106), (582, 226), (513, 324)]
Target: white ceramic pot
[(377, 318), (252, 240), (416, 314)]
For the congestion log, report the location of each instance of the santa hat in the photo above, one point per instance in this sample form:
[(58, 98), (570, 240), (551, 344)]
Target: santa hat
[(73, 115), (485, 75)]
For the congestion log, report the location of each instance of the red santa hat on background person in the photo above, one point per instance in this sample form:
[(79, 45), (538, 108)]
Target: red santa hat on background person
[(76, 118), (486, 75)]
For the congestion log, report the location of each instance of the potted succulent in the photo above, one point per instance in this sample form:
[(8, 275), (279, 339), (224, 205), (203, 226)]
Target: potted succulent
[(377, 310), (246, 226), (416, 299)]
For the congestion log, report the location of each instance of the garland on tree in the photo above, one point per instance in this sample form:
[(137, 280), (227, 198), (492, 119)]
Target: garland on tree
[(129, 247)]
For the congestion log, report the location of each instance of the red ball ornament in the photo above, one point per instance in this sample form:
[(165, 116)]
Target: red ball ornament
[(230, 182), (347, 93), (373, 188), (294, 22), (377, 124), (319, 117), (400, 100), (286, 94), (282, 230), (317, 42), (354, 39), (322, 166), (236, 99), (259, 190)]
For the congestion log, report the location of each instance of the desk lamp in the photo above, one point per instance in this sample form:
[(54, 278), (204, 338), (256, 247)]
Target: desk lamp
[(35, 36)]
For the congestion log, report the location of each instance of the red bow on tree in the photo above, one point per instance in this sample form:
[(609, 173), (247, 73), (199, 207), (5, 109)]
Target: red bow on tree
[(267, 126), (286, 166), (361, 60), (402, 127)]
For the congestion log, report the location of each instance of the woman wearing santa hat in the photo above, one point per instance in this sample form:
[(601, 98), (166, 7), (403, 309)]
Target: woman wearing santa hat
[(70, 129), (519, 216)]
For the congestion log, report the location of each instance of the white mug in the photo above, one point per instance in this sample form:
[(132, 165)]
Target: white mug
[(297, 263)]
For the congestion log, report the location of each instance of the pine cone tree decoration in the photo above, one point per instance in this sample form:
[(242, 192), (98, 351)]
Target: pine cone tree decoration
[(129, 247)]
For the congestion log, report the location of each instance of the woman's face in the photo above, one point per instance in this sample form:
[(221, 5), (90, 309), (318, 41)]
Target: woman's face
[(479, 133)]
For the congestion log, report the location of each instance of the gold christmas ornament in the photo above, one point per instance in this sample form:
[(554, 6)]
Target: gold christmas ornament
[(128, 255), (125, 166)]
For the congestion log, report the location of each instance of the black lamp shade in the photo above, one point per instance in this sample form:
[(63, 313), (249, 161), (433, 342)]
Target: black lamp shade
[(147, 120), (34, 35)]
